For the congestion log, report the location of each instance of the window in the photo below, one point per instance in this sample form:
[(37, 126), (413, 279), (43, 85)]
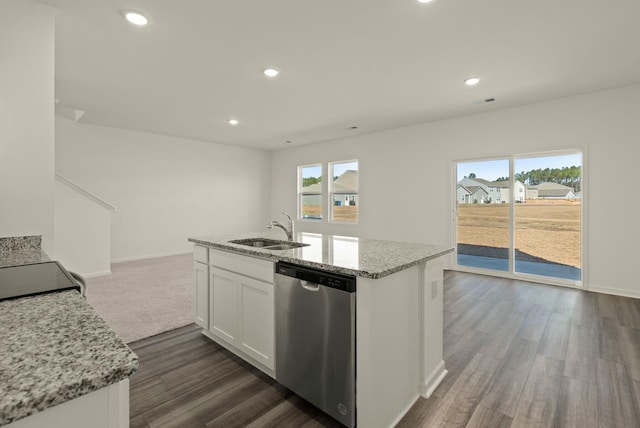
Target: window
[(537, 231), (310, 192), (343, 191)]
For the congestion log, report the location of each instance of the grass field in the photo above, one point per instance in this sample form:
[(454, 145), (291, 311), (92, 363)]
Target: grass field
[(546, 229), (342, 213)]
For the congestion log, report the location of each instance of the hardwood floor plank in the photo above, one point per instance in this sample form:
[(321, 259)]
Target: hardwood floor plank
[(499, 340), (293, 412), (616, 403), (487, 418), (468, 319), (582, 352), (565, 301), (578, 404), (197, 406), (535, 322), (539, 399), (476, 287), (628, 312), (495, 316), (506, 386), (138, 422), (629, 345), (458, 357), (145, 396), (251, 409), (458, 405), (607, 306), (585, 309), (555, 337), (609, 340)]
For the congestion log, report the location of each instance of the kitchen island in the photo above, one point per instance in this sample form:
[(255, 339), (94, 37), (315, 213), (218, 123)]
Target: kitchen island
[(398, 314), (61, 365)]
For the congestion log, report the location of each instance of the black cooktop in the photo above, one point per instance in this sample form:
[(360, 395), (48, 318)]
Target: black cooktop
[(39, 278)]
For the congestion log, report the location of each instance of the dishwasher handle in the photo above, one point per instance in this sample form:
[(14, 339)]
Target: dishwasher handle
[(310, 286)]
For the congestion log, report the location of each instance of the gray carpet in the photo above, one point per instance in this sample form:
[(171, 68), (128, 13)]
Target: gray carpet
[(145, 297)]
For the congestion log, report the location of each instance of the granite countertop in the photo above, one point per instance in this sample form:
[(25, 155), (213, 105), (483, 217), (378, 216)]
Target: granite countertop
[(369, 258), (26, 250), (54, 348)]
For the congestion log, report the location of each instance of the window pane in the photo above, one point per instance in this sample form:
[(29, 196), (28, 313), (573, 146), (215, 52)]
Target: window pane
[(344, 191), (310, 190), (482, 195), (311, 207), (547, 221), (311, 181)]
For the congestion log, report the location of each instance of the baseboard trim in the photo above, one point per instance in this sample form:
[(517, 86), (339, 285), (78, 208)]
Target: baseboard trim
[(151, 256), (433, 380), (95, 274), (614, 291)]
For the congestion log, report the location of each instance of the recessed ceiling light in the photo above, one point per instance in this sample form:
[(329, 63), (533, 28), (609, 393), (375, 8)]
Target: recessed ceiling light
[(424, 1), (233, 122), (471, 81), (271, 72), (135, 17)]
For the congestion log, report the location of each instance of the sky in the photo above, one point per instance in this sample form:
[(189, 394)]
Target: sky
[(491, 170)]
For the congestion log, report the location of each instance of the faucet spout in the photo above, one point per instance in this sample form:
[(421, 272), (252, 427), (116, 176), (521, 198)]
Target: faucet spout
[(288, 230)]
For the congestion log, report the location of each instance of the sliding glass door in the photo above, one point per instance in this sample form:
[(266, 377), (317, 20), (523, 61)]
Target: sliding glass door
[(521, 215), (483, 215)]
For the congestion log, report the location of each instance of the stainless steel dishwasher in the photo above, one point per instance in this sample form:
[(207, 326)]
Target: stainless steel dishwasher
[(315, 338)]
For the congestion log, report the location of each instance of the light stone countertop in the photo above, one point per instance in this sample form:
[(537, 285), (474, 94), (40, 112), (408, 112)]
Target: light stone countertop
[(369, 258), (21, 250), (54, 348)]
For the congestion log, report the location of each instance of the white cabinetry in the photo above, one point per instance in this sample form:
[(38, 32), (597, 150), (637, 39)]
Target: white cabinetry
[(202, 294), (201, 275), (241, 314), (235, 304)]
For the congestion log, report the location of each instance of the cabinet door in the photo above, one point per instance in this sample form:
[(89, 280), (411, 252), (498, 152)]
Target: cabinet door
[(202, 294), (257, 320), (224, 305)]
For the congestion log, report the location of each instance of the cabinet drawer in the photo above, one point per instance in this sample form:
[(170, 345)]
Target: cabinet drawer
[(200, 254), (244, 265)]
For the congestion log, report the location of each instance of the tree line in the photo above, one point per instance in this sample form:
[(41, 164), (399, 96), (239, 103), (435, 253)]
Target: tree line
[(567, 175), (308, 181)]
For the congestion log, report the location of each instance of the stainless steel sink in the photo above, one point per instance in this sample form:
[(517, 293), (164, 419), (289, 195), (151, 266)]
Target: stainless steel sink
[(256, 242), (285, 246), (268, 244)]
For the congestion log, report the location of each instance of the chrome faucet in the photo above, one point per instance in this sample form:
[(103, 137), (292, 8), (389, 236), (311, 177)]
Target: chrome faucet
[(289, 231)]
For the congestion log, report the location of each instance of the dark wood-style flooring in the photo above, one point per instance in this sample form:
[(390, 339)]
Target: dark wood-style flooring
[(518, 354)]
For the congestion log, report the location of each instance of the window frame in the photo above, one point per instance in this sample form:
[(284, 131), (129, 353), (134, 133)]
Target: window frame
[(512, 273), (331, 193), (301, 193)]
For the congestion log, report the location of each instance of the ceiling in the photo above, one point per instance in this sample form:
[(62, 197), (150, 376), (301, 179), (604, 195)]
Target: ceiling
[(370, 64)]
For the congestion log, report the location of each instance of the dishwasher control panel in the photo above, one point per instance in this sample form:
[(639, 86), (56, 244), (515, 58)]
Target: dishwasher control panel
[(316, 276)]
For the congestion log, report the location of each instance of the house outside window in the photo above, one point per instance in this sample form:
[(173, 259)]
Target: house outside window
[(343, 191)]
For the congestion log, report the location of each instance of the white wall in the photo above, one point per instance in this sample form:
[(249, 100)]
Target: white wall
[(166, 189), (83, 233), (413, 164), (27, 120)]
